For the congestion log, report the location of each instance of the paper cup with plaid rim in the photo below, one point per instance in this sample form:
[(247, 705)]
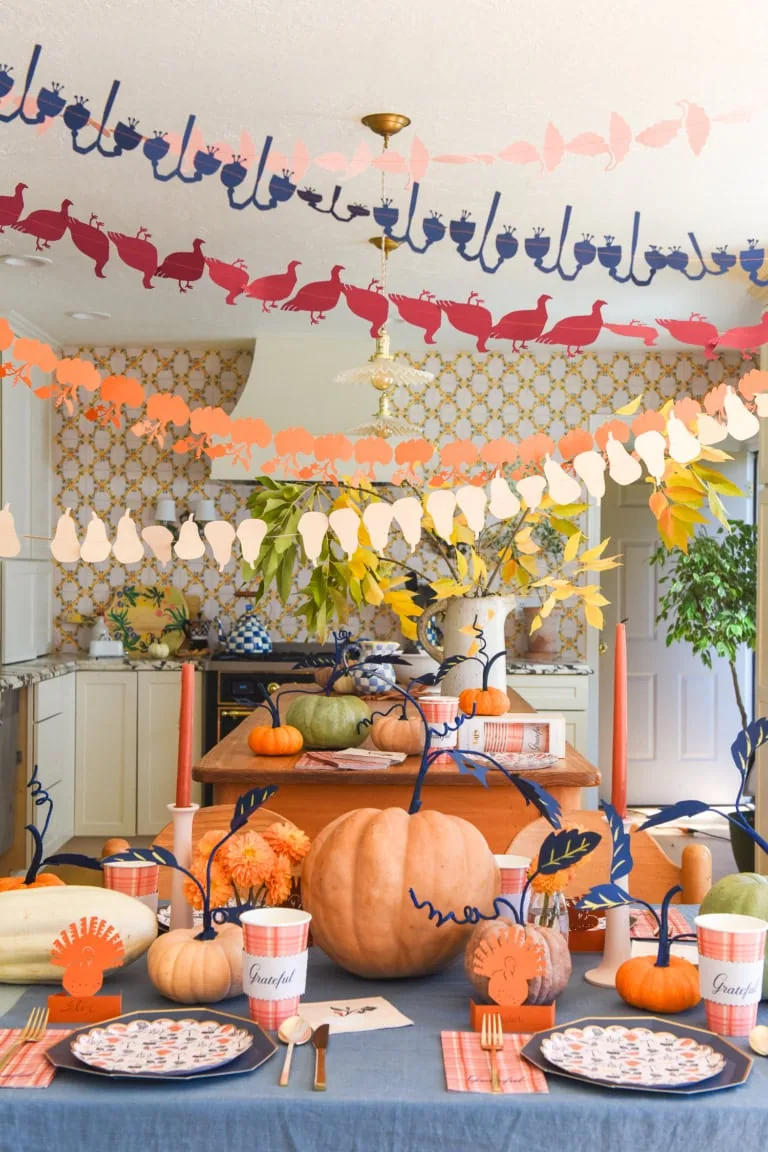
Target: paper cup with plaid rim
[(138, 878), (440, 710), (513, 871), (274, 962), (731, 958)]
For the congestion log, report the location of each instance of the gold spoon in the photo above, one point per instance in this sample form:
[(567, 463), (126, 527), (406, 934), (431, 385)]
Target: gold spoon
[(295, 1030)]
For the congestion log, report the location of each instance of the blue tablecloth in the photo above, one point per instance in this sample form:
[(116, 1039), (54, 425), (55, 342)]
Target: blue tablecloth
[(386, 1090)]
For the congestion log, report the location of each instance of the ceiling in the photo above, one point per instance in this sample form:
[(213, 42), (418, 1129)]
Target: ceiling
[(474, 77)]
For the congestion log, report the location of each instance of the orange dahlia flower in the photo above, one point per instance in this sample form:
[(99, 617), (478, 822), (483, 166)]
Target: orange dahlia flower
[(248, 859), (288, 840)]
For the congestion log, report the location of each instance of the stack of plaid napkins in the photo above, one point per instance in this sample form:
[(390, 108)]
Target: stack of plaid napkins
[(361, 758)]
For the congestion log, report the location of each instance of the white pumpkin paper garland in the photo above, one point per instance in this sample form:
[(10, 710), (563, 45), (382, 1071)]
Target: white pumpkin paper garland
[(472, 501), (622, 467), (504, 503), (96, 546), (251, 533), (377, 519), (590, 466), (160, 541), (710, 431), (441, 505), (562, 488), (10, 545), (650, 447), (313, 527), (345, 524), (221, 536), (190, 544), (531, 488), (683, 445), (127, 548), (407, 512), (740, 422)]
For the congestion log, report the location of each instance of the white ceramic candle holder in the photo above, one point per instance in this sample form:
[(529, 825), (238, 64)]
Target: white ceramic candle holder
[(618, 944), (181, 911)]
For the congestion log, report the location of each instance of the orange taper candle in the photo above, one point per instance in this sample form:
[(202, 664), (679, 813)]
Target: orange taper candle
[(186, 722), (619, 776)]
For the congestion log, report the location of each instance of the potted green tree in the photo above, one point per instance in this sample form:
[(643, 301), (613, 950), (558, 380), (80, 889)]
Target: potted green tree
[(709, 600)]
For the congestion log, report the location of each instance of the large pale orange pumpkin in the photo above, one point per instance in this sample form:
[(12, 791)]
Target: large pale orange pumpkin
[(356, 878), (192, 971), (556, 969)]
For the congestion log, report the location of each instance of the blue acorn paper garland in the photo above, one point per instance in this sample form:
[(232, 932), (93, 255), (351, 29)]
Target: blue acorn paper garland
[(461, 230)]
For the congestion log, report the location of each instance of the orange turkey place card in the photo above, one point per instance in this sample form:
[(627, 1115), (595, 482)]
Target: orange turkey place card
[(85, 950), (508, 961)]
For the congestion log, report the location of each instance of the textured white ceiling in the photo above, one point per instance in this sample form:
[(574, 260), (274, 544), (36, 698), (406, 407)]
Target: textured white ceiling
[(473, 75)]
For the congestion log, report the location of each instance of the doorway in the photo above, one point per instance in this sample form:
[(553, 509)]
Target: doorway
[(682, 717)]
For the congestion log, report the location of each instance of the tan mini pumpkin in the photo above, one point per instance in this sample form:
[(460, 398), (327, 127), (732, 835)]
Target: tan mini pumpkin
[(556, 968), (192, 971), (356, 878), (398, 734)]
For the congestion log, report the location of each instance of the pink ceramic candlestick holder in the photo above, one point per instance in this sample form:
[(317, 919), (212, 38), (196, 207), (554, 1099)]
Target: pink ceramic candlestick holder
[(181, 911)]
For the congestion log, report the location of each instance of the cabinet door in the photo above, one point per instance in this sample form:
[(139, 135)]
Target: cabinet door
[(25, 463), (54, 754), (158, 737), (105, 754)]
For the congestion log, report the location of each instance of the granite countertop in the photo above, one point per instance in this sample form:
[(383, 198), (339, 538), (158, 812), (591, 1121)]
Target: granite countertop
[(523, 667), (28, 672)]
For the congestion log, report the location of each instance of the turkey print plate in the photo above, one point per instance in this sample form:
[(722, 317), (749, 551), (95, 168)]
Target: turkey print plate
[(170, 1047), (169, 1044)]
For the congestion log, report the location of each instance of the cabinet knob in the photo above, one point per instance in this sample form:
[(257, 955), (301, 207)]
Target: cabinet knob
[(273, 687), (602, 648)]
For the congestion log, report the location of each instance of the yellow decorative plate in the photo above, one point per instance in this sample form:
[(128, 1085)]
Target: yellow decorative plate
[(140, 615)]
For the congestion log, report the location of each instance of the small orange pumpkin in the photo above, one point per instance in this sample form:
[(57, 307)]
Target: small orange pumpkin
[(643, 983), (276, 739), (114, 846), (282, 740), (399, 734), (484, 701), (42, 880)]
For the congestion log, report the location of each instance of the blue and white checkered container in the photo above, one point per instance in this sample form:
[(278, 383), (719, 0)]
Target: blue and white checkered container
[(374, 679), (249, 637)]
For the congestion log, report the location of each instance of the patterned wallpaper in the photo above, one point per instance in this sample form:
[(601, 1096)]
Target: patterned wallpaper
[(472, 396)]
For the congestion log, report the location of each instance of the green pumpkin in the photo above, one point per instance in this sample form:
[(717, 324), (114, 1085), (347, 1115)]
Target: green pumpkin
[(329, 721), (743, 894)]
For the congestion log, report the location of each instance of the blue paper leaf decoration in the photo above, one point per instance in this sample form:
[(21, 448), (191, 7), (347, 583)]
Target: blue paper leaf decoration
[(604, 896), (432, 678), (621, 858), (248, 803), (467, 767), (75, 859), (153, 855), (747, 742), (562, 849), (533, 793), (675, 812)]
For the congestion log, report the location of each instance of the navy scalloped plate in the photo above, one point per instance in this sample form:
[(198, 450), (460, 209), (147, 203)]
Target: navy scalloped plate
[(262, 1047), (735, 1071)]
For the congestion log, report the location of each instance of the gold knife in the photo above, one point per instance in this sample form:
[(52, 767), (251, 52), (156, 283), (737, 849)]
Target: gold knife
[(320, 1041)]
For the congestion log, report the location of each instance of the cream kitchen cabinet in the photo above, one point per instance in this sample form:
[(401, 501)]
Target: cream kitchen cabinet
[(52, 741), (558, 694), (126, 748)]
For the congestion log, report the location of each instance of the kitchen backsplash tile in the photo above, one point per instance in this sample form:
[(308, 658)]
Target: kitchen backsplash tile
[(472, 396)]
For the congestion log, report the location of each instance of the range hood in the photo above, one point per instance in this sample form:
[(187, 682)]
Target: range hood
[(291, 384)]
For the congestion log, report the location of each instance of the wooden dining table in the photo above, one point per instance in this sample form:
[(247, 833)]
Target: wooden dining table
[(311, 798)]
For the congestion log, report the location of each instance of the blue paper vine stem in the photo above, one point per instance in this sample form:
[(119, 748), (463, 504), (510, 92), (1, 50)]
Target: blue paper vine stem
[(125, 138)]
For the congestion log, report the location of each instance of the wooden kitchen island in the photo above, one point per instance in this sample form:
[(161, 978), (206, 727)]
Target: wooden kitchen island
[(311, 798)]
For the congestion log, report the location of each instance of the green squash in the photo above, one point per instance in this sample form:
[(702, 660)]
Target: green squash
[(329, 721), (744, 894)]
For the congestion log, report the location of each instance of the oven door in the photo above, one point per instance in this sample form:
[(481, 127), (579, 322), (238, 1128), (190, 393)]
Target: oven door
[(228, 720)]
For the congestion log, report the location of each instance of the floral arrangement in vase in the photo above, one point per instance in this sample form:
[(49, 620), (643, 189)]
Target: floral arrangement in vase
[(247, 869)]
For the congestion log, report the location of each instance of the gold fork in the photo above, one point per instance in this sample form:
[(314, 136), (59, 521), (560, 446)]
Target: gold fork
[(492, 1040), (33, 1030)]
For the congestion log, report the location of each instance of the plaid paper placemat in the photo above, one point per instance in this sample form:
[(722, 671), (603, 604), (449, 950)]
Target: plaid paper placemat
[(468, 1068), (29, 1067), (645, 925)]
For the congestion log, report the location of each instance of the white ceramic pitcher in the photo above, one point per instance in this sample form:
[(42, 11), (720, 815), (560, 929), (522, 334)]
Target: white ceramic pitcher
[(488, 613)]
